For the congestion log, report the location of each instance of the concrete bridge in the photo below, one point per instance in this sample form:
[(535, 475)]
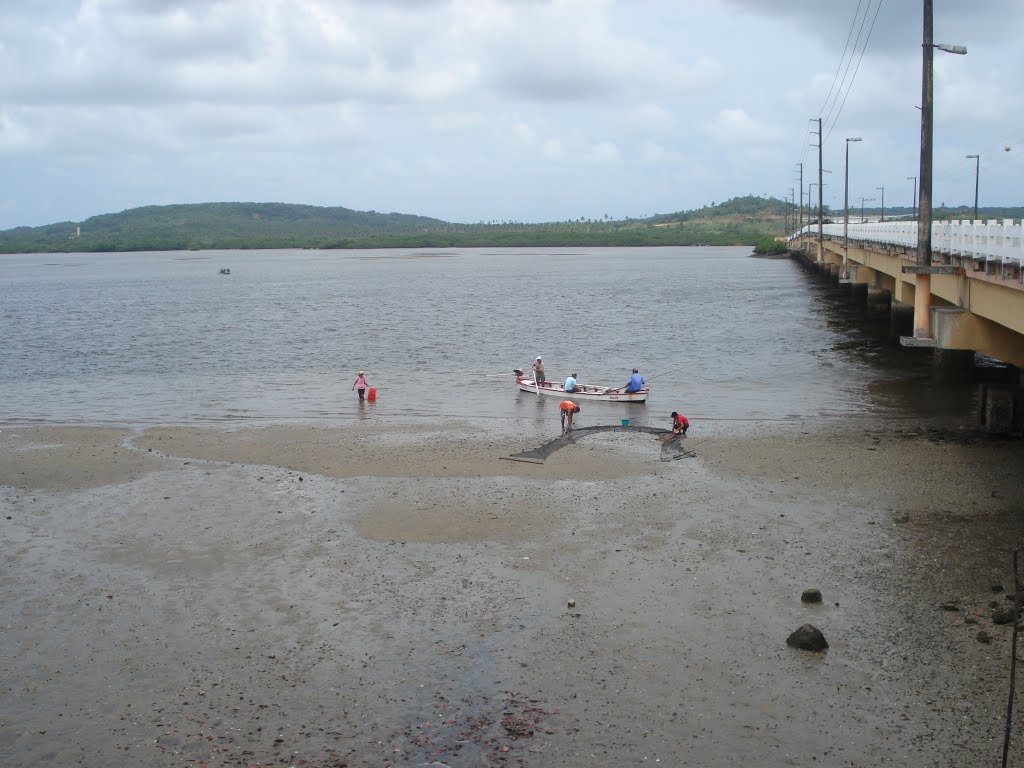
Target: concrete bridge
[(977, 291)]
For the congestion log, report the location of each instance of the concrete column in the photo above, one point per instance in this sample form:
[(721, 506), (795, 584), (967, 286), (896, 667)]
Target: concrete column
[(901, 319), (879, 302), (999, 409), (953, 363)]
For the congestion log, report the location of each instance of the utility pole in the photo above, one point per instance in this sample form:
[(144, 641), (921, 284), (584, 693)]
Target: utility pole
[(868, 199), (846, 211), (913, 197), (821, 242), (801, 226), (923, 269), (883, 201)]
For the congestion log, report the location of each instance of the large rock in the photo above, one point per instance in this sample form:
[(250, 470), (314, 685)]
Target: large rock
[(807, 638)]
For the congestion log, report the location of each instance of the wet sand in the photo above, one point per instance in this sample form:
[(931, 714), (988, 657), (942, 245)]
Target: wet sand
[(399, 595)]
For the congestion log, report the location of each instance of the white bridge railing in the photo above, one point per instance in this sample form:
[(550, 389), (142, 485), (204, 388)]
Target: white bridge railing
[(990, 240)]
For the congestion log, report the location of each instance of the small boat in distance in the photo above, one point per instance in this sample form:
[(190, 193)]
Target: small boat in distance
[(225, 271), (583, 392)]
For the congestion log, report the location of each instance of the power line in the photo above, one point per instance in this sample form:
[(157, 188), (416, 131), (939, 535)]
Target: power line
[(846, 47), (857, 68)]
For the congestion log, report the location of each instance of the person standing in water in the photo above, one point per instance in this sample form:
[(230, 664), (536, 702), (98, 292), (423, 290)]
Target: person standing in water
[(360, 385)]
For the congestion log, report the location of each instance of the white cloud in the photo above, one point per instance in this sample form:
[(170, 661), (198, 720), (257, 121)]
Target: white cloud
[(480, 109)]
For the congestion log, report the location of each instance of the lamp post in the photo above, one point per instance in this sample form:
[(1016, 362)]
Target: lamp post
[(846, 210), (883, 201), (923, 269), (913, 197), (977, 162)]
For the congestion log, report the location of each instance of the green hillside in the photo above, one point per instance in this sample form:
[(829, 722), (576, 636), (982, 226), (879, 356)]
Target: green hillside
[(740, 221)]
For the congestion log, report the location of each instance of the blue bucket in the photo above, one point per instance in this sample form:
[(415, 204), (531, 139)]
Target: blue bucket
[(625, 422)]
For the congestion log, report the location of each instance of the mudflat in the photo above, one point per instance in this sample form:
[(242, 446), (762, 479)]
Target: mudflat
[(400, 594)]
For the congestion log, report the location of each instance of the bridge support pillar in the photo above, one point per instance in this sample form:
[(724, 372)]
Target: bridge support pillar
[(901, 319), (956, 363), (879, 301), (1000, 409)]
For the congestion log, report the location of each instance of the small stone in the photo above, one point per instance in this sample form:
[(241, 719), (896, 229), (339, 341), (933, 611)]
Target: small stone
[(997, 587), (807, 638), (950, 607), (984, 637), (970, 620), (571, 604), (811, 596)]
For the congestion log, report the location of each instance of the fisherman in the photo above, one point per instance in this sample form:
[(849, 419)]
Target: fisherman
[(538, 370), (679, 424), (567, 408), (570, 383), (636, 382)]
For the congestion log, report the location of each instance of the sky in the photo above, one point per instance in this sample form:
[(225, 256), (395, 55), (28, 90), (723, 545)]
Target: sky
[(497, 110)]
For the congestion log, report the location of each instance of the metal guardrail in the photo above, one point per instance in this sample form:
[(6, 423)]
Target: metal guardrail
[(991, 240)]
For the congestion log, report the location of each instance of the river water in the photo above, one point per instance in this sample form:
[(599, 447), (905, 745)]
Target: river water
[(144, 338)]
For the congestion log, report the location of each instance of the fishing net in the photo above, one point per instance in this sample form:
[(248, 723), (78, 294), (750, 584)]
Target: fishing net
[(671, 449)]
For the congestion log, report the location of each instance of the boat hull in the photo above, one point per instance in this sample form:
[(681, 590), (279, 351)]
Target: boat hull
[(584, 393)]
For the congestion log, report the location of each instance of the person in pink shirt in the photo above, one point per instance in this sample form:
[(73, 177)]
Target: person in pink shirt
[(361, 385)]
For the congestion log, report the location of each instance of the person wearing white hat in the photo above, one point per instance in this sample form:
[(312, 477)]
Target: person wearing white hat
[(360, 384), (538, 369)]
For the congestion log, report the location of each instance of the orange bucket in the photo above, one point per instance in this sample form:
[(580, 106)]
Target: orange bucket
[(371, 395)]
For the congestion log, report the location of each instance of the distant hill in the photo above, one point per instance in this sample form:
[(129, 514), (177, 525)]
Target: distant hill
[(739, 221), (212, 225)]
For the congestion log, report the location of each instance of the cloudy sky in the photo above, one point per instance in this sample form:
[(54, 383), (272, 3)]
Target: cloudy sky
[(479, 110)]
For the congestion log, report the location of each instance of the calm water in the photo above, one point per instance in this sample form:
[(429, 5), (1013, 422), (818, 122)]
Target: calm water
[(146, 338)]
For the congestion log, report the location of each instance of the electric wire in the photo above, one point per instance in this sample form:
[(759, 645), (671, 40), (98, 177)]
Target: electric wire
[(859, 59)]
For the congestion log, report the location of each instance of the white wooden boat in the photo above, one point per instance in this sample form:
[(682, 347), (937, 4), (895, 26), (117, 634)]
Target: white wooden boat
[(583, 392)]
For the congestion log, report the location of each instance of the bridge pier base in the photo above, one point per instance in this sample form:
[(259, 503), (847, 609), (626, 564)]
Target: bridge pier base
[(901, 319), (879, 302), (953, 363), (1001, 403)]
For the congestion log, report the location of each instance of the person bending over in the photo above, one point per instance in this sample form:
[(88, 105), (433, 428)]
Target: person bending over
[(567, 409), (679, 424)]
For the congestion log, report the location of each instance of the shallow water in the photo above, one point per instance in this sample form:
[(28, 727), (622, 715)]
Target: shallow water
[(144, 338)]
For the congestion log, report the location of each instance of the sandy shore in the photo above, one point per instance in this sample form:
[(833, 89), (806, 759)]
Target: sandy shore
[(400, 595)]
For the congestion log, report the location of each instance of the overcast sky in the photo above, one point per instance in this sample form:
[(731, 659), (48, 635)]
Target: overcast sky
[(479, 110)]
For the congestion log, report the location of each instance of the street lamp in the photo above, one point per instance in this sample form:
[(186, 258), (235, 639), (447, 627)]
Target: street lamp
[(913, 197), (923, 270), (883, 201), (846, 210), (977, 162)]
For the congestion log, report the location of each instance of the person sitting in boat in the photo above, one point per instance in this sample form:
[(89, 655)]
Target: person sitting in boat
[(636, 382), (679, 424), (538, 369), (567, 408), (570, 383)]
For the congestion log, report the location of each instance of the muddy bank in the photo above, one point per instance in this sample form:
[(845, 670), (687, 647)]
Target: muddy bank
[(392, 596)]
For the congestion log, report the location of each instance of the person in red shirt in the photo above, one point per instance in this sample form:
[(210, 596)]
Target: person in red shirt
[(567, 409), (679, 424)]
